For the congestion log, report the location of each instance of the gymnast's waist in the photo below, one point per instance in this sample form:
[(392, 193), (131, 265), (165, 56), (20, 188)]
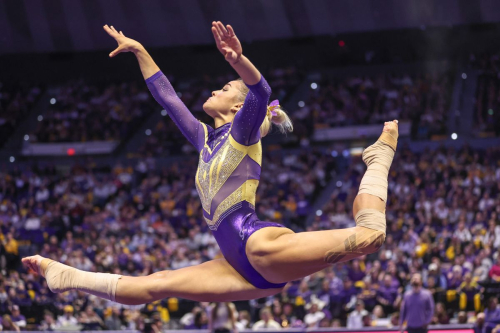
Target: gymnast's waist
[(233, 217)]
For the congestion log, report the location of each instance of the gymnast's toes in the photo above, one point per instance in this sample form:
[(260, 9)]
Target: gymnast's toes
[(34, 263), (391, 127)]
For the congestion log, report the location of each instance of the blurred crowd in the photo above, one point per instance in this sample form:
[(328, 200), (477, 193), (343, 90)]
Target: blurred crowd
[(132, 220), (80, 112), (487, 108), (487, 114), (423, 99), (443, 221), (15, 103)]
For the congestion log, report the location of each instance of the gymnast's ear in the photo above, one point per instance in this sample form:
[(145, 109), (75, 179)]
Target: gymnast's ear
[(236, 107)]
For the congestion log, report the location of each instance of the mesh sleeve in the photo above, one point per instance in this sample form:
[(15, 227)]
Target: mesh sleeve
[(165, 95), (247, 121)]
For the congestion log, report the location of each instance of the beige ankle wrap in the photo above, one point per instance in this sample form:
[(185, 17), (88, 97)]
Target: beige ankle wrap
[(378, 158), (61, 278), (371, 219)]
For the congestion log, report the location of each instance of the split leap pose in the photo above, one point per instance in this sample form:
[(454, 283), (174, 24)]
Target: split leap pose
[(260, 257)]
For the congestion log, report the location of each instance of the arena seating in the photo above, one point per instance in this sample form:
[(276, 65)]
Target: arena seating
[(16, 102)]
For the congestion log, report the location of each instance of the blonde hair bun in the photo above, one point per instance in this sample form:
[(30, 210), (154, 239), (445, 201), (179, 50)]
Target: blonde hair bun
[(280, 120)]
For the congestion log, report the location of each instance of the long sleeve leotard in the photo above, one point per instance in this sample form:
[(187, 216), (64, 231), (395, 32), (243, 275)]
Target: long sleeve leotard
[(228, 171)]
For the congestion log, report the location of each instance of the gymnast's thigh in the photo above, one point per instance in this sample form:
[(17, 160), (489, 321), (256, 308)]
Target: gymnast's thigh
[(213, 281), (280, 255)]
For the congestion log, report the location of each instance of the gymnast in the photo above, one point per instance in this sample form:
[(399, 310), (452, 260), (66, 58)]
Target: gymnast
[(260, 257)]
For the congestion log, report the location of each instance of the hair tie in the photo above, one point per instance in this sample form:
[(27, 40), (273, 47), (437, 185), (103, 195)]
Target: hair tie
[(274, 105)]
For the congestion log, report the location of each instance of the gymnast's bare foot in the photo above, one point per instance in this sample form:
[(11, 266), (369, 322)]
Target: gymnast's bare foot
[(36, 263)]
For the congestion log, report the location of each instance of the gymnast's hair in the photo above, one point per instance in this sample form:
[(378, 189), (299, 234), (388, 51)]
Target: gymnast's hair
[(280, 120)]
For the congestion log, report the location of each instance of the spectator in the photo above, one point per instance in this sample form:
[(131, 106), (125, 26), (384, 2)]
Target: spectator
[(48, 323), (462, 234), (8, 324), (367, 321), (479, 326), (491, 315), (289, 317), (379, 318), (325, 322), (440, 316), (200, 321), (187, 319), (266, 321), (17, 318), (394, 320), (67, 321), (355, 318), (462, 318), (244, 320), (222, 317), (470, 299), (494, 272), (387, 294), (315, 315), (11, 249), (440, 282), (113, 322), (417, 308), (89, 320)]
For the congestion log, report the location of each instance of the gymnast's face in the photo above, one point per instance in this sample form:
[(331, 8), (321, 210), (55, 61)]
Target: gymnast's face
[(225, 101)]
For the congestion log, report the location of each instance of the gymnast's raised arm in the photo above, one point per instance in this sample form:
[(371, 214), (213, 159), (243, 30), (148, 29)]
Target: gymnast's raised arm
[(160, 88), (248, 120)]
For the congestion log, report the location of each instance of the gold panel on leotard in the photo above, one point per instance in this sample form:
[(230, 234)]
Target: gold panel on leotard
[(254, 151), (246, 192), (219, 169), (211, 176)]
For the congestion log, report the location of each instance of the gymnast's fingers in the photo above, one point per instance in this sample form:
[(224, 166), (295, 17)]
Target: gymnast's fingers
[(217, 38), (231, 31), (109, 31), (222, 29), (219, 30)]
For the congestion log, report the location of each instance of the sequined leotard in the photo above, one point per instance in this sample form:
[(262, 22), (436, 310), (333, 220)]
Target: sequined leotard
[(228, 171)]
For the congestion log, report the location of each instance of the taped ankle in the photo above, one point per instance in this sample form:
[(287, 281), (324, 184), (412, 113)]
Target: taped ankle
[(371, 219), (378, 158), (61, 278)]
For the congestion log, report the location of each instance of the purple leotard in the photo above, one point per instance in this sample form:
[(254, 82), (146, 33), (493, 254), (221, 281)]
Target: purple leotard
[(228, 171)]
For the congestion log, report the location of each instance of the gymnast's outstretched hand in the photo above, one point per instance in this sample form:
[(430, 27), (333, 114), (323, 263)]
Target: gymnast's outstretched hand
[(227, 42), (125, 44), (229, 45)]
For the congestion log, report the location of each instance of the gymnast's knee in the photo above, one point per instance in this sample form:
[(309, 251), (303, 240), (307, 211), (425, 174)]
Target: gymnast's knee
[(373, 225), (375, 243)]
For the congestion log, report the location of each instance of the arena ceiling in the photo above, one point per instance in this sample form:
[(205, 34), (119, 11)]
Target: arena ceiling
[(76, 25)]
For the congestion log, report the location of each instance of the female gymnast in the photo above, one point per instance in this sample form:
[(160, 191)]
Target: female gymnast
[(259, 257)]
